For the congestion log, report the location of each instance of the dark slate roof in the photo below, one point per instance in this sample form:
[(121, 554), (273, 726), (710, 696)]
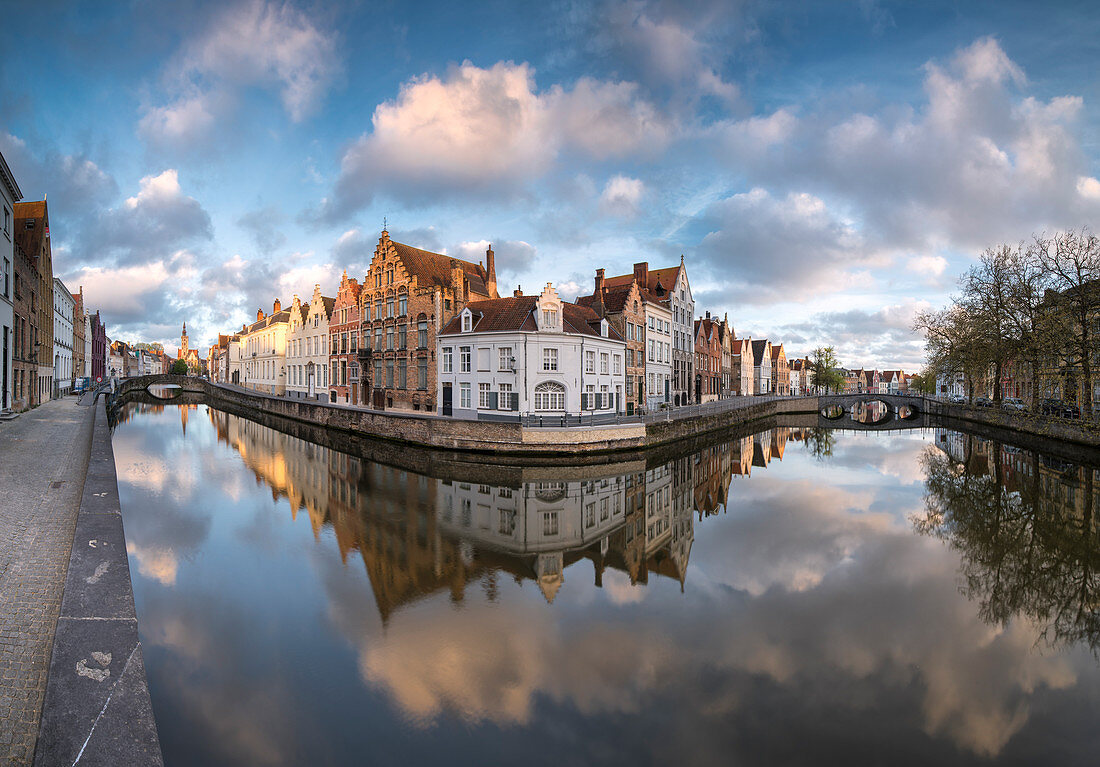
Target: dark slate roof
[(517, 313), (666, 277), (269, 320), (758, 351), (329, 302)]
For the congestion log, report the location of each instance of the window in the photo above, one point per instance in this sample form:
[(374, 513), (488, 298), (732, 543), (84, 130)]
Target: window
[(590, 362), (389, 276), (549, 396), (483, 395), (504, 398), (344, 372), (605, 397), (402, 305), (422, 335), (603, 362), (402, 337), (422, 373), (448, 359), (550, 360), (389, 374), (335, 372), (590, 514), (483, 358), (389, 306), (550, 523), (505, 358), (464, 395), (467, 323), (366, 310), (389, 338), (354, 341), (507, 522), (652, 347), (550, 318), (378, 338), (402, 373), (590, 397), (378, 279), (616, 365), (464, 358)]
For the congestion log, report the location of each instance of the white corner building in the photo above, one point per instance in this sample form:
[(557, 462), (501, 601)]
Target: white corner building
[(531, 356), (307, 347)]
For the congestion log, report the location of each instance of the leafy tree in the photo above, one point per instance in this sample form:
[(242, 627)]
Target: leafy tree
[(923, 383), (179, 368), (825, 367)]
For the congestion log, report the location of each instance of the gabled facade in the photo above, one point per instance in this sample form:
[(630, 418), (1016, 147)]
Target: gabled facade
[(99, 348), (708, 360), (307, 351), (761, 367), (63, 306), (32, 234), (343, 331), (781, 372), (623, 306), (670, 288), (407, 297), (741, 379), (530, 355), (725, 339), (79, 319)]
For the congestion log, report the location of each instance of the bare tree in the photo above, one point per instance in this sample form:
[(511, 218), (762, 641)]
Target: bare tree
[(1072, 260), (954, 343), (987, 299)]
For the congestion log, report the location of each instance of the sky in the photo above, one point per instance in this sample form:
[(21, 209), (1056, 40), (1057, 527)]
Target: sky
[(826, 169)]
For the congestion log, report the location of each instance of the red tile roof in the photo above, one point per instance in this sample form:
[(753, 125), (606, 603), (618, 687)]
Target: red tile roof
[(517, 313), (435, 268)]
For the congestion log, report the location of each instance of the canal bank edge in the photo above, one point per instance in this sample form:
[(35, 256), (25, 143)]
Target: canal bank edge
[(488, 437), (97, 709)]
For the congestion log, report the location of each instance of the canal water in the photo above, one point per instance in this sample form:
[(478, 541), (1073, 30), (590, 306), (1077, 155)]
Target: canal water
[(791, 597)]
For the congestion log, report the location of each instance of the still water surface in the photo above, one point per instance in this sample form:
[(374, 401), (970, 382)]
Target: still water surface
[(794, 597)]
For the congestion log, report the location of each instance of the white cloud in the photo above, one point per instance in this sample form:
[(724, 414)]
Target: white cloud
[(932, 266), (489, 132), (621, 196), (155, 222), (185, 122)]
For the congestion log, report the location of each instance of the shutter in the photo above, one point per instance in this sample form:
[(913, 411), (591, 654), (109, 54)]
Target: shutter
[(492, 400), (584, 401), (515, 400)]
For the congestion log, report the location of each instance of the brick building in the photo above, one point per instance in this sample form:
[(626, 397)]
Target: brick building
[(725, 339), (25, 332), (32, 233), (781, 371), (78, 333), (708, 360), (407, 297), (343, 330), (624, 308)]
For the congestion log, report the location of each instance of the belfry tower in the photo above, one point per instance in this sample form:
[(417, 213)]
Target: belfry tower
[(183, 342)]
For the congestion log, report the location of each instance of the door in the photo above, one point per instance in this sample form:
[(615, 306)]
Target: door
[(311, 382), (448, 406)]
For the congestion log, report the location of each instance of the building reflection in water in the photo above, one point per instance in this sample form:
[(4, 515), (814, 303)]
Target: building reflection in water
[(1026, 528), (418, 535)]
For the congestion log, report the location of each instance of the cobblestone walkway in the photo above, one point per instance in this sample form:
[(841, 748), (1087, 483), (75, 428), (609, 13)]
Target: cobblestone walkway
[(43, 460)]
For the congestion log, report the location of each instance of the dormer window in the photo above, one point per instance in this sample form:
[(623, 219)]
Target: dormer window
[(467, 322), (603, 328), (550, 318)]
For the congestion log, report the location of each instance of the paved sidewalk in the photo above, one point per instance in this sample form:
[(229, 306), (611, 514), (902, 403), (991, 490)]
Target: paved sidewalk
[(43, 461)]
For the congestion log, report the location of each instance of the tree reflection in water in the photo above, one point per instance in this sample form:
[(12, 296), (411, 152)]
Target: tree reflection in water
[(1025, 527)]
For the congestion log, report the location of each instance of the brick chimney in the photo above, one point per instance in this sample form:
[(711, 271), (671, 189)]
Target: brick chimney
[(641, 273), (491, 270), (259, 314), (518, 292), (599, 280), (277, 307), (708, 316)]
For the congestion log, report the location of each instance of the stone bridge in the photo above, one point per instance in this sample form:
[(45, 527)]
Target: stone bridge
[(916, 417), (142, 384)]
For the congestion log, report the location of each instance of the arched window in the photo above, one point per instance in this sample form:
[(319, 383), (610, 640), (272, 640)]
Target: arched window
[(549, 396)]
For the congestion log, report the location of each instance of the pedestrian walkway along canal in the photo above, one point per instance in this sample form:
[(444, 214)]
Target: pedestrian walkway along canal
[(798, 596)]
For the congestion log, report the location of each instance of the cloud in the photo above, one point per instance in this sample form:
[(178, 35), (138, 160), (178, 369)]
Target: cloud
[(488, 132), (621, 196), (978, 162), (759, 247), (262, 225), (513, 257), (159, 219), (268, 45)]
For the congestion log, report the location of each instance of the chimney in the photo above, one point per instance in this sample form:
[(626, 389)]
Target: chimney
[(599, 280), (278, 305), (641, 273), (518, 292), (491, 269), (259, 314), (708, 316)]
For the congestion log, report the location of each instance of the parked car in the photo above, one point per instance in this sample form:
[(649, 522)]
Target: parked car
[(958, 399), (1059, 408), (1013, 403), (983, 402)]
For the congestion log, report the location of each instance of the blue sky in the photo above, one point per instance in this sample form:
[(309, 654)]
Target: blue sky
[(826, 169)]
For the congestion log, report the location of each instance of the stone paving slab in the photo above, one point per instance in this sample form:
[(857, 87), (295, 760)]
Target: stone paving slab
[(43, 458), (97, 708)]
